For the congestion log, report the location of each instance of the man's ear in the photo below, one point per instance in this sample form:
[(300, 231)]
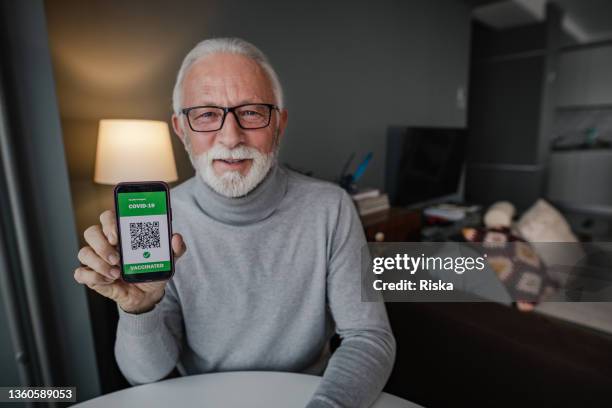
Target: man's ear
[(282, 123), (176, 126)]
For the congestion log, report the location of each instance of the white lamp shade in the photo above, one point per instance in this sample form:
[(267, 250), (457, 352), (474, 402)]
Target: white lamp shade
[(134, 150)]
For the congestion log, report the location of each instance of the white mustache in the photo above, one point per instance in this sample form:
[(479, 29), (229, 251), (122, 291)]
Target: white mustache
[(231, 157), (240, 153)]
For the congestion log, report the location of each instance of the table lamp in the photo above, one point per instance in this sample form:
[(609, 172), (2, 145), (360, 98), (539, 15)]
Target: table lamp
[(134, 150)]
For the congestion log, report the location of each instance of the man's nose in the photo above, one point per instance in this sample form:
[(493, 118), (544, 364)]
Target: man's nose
[(231, 134)]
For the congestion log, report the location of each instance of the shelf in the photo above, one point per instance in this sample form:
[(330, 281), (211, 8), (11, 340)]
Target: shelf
[(583, 107), (580, 149)]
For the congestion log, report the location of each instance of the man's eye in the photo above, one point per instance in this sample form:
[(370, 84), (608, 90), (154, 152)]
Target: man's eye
[(250, 113), (206, 115)]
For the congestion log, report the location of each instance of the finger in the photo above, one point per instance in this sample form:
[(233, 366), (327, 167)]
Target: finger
[(109, 226), (88, 257), (93, 280), (178, 245), (97, 240), (87, 276)]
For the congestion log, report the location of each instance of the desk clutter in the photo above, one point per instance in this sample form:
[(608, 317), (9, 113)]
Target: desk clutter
[(450, 212), (444, 222), (370, 201)]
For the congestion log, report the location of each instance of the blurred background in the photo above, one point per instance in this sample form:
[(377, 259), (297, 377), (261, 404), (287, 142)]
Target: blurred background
[(511, 98)]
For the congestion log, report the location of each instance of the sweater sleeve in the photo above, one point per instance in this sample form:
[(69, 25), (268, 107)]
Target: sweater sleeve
[(358, 370), (148, 345)]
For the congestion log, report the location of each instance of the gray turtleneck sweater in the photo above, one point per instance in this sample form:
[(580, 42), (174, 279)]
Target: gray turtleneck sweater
[(265, 282)]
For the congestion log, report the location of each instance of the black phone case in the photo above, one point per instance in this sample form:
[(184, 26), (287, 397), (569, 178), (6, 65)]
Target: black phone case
[(152, 276)]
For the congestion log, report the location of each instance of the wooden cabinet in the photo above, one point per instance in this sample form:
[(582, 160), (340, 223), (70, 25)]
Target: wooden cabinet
[(393, 225), (509, 112)]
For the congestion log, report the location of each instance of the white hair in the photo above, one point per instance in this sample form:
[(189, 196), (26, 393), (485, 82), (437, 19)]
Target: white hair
[(231, 46)]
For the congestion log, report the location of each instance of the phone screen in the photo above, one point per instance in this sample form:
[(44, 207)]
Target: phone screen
[(144, 237)]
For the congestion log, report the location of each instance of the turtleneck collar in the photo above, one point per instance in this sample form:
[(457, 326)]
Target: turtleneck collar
[(257, 205)]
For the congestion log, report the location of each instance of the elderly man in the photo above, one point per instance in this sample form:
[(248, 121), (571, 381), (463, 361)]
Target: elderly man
[(268, 261)]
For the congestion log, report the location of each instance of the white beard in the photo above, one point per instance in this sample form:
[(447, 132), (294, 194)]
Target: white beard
[(232, 183)]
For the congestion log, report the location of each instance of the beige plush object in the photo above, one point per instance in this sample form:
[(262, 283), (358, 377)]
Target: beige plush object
[(544, 227), (499, 215), (543, 223)]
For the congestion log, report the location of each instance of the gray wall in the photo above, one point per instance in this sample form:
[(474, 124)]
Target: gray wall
[(584, 77), (349, 69)]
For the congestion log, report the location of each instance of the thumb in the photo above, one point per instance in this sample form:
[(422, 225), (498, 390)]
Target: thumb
[(178, 245)]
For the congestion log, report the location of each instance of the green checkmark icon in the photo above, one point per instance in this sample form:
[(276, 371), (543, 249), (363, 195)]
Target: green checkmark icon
[(146, 254)]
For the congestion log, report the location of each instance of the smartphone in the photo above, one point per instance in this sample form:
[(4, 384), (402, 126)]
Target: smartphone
[(144, 225)]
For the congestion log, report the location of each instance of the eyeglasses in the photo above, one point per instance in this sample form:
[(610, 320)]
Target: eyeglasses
[(210, 118)]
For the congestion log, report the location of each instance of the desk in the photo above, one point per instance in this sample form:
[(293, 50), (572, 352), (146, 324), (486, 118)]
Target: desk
[(392, 225), (227, 390)]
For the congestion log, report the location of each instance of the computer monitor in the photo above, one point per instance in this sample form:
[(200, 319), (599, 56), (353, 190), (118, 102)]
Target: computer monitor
[(423, 164)]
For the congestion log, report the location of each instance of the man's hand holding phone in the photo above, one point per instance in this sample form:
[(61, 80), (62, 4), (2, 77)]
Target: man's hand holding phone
[(101, 268)]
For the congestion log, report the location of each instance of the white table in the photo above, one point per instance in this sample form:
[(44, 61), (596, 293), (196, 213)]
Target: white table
[(253, 389)]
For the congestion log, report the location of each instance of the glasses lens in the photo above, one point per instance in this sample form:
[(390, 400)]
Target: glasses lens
[(205, 119), (253, 116)]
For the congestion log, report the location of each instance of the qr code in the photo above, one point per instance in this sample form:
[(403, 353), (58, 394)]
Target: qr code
[(144, 235)]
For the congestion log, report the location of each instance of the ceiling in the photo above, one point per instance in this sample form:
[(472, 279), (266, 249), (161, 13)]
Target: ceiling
[(584, 20), (593, 16)]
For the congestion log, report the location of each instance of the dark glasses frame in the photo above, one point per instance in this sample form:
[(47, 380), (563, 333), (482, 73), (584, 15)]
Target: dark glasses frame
[(226, 110)]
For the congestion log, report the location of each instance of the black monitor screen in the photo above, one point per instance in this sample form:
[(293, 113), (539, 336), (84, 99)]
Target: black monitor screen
[(423, 163)]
